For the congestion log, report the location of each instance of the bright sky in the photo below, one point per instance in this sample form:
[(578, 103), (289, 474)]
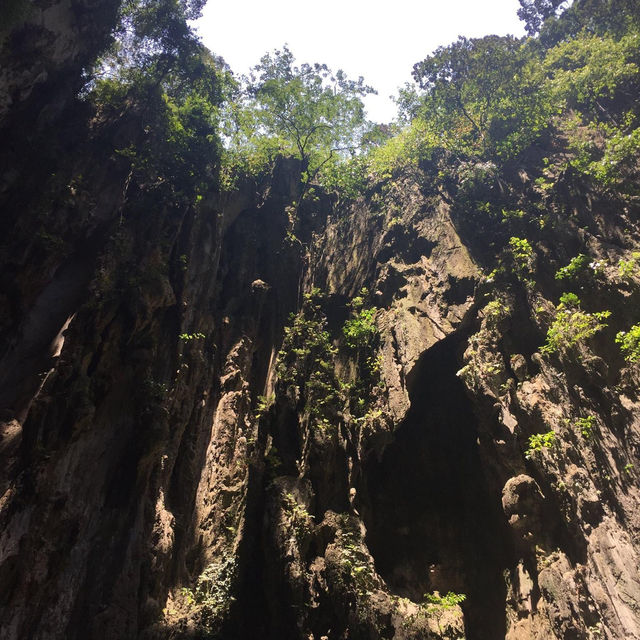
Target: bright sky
[(377, 39)]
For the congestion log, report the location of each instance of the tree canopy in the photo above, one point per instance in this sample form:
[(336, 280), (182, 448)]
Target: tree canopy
[(480, 93), (306, 111), (534, 12), (487, 99), (159, 74)]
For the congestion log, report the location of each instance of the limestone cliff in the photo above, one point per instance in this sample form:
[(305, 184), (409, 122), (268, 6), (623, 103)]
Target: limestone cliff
[(256, 415)]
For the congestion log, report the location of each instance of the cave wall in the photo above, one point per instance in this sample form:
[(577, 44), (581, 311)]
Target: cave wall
[(162, 479)]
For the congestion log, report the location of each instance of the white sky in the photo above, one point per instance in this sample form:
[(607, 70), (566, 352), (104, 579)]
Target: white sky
[(377, 39)]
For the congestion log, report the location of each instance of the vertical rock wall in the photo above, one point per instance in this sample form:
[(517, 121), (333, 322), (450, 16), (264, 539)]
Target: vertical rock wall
[(181, 457)]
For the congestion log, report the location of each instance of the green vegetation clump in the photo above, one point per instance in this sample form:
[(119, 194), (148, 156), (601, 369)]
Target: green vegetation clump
[(264, 404), (628, 268), (306, 344), (571, 325), (188, 337), (538, 441), (591, 68), (300, 520), (586, 426), (523, 256), (495, 311), (629, 342), (356, 564), (361, 336), (447, 601), (435, 607), (576, 267), (213, 593), (306, 360), (361, 330)]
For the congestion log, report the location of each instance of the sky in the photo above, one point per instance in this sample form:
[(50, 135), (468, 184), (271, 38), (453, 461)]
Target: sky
[(380, 40)]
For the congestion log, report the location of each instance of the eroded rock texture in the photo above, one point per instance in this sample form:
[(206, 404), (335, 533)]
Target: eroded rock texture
[(196, 442)]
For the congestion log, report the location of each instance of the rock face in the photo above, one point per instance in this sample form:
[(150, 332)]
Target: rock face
[(246, 418)]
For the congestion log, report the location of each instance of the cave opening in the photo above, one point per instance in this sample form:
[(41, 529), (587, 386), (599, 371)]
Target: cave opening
[(434, 522)]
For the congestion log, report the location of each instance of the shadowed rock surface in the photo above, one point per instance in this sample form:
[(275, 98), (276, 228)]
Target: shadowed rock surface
[(191, 447)]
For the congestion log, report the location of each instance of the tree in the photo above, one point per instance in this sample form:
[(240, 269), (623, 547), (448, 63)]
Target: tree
[(534, 13), (153, 36), (589, 71), (467, 77), (159, 75), (598, 17), (481, 94), (307, 111)]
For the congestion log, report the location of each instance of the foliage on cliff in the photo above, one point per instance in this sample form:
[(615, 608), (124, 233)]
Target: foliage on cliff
[(305, 111), (159, 75), (521, 156)]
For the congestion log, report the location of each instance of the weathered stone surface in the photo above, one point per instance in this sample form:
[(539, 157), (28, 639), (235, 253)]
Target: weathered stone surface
[(160, 479)]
